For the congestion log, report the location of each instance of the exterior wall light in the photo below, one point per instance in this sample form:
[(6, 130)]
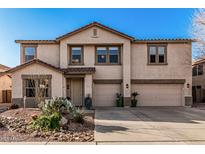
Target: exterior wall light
[(127, 86), (187, 85)]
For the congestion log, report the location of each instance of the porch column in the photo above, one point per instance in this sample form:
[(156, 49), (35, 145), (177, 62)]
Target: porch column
[(88, 85), (126, 86)]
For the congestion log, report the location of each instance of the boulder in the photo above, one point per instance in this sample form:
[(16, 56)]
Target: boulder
[(63, 122)]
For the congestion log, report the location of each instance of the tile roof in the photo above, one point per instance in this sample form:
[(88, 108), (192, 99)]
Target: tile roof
[(164, 40), (134, 40), (37, 41), (79, 70), (4, 67), (70, 70)]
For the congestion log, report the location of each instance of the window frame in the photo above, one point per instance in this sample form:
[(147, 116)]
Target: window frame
[(197, 70), (82, 55), (157, 54), (36, 79), (108, 55), (24, 51)]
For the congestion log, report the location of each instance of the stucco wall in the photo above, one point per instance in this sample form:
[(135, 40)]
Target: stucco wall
[(5, 84), (49, 53), (102, 72), (56, 82), (178, 59)]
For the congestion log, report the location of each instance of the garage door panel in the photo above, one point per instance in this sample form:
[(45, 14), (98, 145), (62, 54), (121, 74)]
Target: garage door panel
[(105, 94), (159, 94)]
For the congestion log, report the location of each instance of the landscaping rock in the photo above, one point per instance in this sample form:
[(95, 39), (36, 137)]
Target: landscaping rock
[(1, 125), (63, 122), (69, 131)]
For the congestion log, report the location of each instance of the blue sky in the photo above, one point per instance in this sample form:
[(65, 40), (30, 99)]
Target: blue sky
[(51, 23)]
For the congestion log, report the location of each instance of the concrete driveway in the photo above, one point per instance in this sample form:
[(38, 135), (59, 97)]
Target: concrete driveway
[(150, 125)]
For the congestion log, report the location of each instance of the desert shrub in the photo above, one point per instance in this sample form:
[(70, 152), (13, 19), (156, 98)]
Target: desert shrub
[(13, 106), (47, 122), (78, 116), (58, 104)]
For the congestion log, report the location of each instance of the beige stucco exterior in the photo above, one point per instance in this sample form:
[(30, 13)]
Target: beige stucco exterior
[(36, 69), (133, 66)]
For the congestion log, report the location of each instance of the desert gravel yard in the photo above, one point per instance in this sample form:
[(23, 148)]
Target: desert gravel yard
[(148, 125), (14, 128)]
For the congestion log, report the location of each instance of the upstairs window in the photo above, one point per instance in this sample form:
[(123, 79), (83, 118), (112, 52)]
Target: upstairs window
[(76, 55), (157, 54), (102, 55), (108, 55), (30, 53), (197, 70)]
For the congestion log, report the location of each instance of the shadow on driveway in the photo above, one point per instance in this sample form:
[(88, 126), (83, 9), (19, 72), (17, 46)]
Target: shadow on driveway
[(108, 129)]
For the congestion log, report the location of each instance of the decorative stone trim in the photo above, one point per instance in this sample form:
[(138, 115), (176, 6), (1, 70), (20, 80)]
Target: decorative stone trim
[(127, 101), (188, 100)]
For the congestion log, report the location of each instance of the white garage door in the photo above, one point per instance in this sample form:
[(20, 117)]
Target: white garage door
[(158, 94), (105, 94)]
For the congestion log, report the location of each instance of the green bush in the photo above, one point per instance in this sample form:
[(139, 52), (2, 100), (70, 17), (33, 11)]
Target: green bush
[(119, 100), (134, 100), (47, 122), (78, 116)]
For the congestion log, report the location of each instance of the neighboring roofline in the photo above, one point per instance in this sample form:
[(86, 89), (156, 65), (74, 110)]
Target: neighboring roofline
[(198, 61), (4, 67), (177, 40), (98, 25), (37, 41), (34, 61)]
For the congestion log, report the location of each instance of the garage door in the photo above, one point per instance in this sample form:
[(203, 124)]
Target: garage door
[(158, 94), (105, 94)]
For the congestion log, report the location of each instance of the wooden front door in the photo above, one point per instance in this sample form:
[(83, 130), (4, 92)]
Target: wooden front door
[(75, 91), (6, 96)]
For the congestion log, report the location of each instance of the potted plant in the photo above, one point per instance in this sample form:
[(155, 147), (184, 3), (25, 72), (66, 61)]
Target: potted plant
[(134, 100), (119, 100)]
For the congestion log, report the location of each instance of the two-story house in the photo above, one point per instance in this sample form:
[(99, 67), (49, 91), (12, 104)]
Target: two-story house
[(198, 85), (99, 61)]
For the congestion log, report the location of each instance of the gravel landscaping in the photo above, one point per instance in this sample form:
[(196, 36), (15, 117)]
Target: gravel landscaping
[(14, 127)]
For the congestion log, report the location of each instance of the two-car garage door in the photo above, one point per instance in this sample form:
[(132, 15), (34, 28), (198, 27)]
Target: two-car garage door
[(158, 94), (149, 94)]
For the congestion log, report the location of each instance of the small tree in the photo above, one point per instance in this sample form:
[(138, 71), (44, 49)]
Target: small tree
[(198, 32)]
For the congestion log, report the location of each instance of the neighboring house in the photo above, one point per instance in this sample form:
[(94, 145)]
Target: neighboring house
[(100, 61), (198, 85), (5, 85)]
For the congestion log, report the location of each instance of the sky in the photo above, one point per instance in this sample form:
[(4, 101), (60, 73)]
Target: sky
[(47, 24)]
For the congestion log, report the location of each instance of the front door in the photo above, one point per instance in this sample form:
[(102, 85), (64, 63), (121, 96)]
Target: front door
[(75, 91)]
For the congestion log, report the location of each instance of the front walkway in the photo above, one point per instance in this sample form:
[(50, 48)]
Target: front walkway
[(150, 125)]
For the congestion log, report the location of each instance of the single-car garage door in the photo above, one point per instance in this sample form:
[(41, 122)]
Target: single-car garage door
[(158, 94), (105, 94)]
